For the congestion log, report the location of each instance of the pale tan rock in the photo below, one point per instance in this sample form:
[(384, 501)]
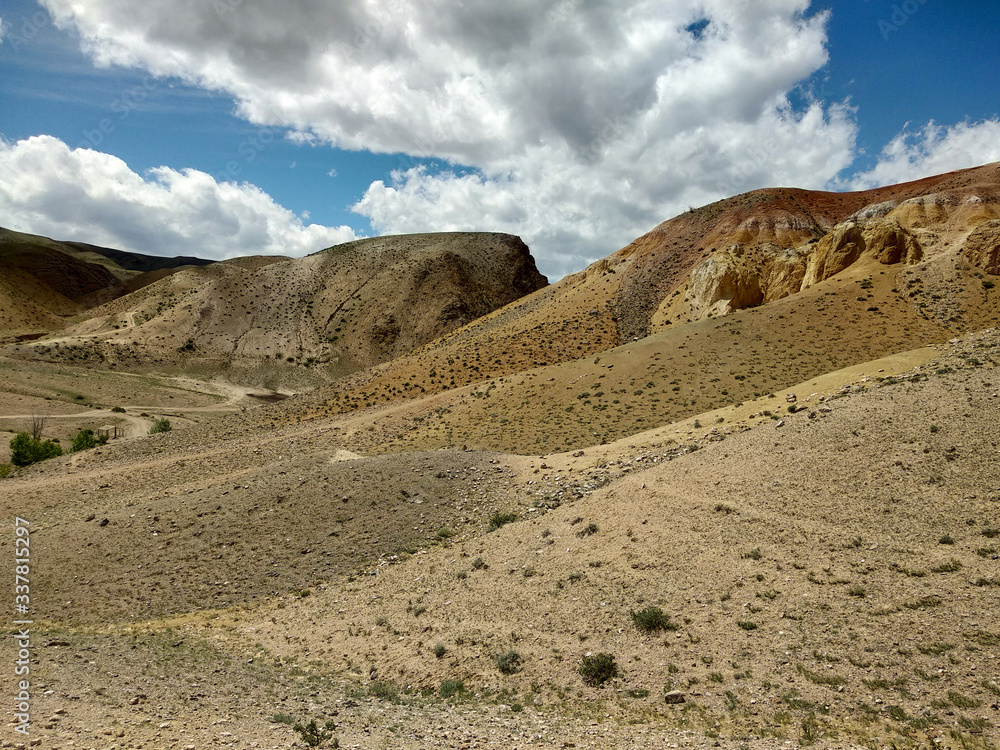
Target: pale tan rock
[(982, 248)]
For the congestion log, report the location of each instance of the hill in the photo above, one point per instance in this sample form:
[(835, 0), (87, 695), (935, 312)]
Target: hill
[(339, 310), (744, 464), (750, 318), (43, 282), (817, 579)]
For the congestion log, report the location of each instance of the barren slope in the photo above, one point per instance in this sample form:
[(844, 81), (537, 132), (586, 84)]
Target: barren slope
[(830, 580), (336, 311)]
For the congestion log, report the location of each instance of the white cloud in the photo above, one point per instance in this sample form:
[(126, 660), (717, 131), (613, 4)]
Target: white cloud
[(3, 30), (932, 149), (586, 121), (79, 194)]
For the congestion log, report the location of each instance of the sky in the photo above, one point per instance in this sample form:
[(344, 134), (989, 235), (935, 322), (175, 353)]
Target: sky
[(240, 127)]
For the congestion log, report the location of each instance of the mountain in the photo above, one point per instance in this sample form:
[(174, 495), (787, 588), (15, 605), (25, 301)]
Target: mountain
[(731, 486), (744, 297), (43, 282), (336, 311)]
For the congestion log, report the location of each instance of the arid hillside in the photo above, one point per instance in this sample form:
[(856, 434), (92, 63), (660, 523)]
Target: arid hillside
[(850, 276), (45, 283), (339, 310), (823, 578), (732, 486)]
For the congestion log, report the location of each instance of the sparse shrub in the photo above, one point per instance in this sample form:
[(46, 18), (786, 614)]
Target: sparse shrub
[(439, 650), (5, 470), (445, 533), (596, 669), (747, 625), (949, 567), (935, 649), (450, 688), (508, 662), (26, 450), (754, 554), (84, 440), (897, 713), (499, 519), (816, 678), (858, 591), (314, 736), (652, 619), (588, 530), (479, 564), (383, 689), (160, 425), (961, 701), (118, 409), (810, 731), (946, 539)]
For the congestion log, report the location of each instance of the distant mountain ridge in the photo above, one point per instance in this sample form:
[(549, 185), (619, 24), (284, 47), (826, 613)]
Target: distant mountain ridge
[(341, 309)]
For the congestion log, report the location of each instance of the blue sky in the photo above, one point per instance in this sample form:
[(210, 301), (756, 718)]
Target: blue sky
[(234, 128)]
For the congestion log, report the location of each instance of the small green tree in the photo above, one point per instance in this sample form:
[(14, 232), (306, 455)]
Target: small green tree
[(313, 735), (160, 425), (26, 450), (84, 440)]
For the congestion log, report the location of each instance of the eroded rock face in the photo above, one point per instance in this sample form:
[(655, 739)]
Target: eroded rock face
[(835, 252), (982, 249), (747, 276), (884, 240), (889, 244), (740, 277)]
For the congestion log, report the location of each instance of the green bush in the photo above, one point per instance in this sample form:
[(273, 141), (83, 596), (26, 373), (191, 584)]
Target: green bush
[(84, 440), (597, 669), (313, 736), (160, 425), (118, 409), (384, 689), (26, 450), (451, 688), (499, 519), (508, 662), (651, 619), (5, 470)]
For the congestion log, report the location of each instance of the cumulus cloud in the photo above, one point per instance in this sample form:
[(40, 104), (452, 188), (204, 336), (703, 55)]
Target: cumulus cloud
[(577, 124), (48, 188), (932, 149)]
